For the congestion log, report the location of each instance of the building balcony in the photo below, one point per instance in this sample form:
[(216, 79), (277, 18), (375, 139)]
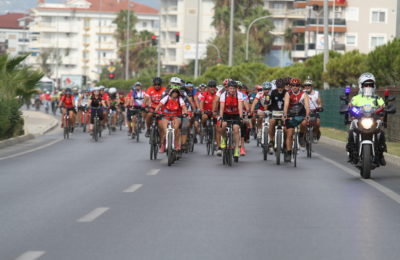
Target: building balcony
[(300, 3), (339, 47), (314, 25), (321, 3), (287, 13)]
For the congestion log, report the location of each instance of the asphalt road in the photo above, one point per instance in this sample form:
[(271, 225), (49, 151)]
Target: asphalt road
[(76, 199)]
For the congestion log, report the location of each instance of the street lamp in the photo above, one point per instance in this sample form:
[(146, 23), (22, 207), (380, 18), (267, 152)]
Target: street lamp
[(251, 24), (230, 60), (127, 40)]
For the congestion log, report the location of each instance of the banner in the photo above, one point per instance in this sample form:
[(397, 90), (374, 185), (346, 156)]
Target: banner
[(189, 51)]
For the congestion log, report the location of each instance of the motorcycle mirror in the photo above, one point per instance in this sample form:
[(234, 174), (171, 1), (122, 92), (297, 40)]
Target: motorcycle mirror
[(391, 98), (390, 109), (347, 90)]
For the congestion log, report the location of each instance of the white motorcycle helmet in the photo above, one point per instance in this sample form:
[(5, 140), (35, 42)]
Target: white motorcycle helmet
[(112, 90), (366, 78), (175, 81)]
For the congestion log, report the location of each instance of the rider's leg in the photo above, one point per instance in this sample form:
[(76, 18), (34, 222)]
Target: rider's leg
[(72, 118), (177, 126), (64, 111), (271, 130), (133, 124), (149, 120), (129, 115), (317, 131), (236, 137), (289, 139), (185, 130), (162, 126), (114, 119), (204, 119)]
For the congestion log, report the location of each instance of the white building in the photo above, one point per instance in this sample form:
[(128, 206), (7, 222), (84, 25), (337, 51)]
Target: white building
[(14, 33), (82, 33), (180, 16)]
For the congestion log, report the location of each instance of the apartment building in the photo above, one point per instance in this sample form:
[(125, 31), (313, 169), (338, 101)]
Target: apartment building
[(14, 34), (180, 17), (79, 34), (371, 23)]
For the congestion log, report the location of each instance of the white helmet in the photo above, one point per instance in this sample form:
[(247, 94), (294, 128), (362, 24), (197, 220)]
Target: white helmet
[(101, 87), (175, 80), (273, 83), (366, 77), (112, 90), (96, 89)]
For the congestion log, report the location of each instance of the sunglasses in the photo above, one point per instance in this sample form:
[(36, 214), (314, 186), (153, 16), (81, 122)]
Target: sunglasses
[(295, 85), (371, 85), (307, 85)]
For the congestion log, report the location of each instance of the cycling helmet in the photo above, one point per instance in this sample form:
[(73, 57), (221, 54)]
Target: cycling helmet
[(273, 83), (239, 83), (174, 90), (220, 87), (212, 83), (226, 82), (280, 83), (176, 87), (112, 90), (175, 81), (308, 81), (96, 89), (101, 87), (157, 81), (267, 85), (367, 78), (295, 82), (189, 84), (68, 91), (138, 84), (202, 85), (232, 83)]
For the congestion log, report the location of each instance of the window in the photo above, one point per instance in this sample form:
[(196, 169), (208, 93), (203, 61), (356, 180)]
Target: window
[(278, 6), (352, 14), (278, 40), (144, 24), (104, 54), (378, 16), (376, 40), (278, 23), (351, 39)]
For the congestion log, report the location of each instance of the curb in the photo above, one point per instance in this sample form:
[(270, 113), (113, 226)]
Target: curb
[(26, 137), (393, 159)]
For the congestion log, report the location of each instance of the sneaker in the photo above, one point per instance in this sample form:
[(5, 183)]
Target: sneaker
[(242, 151), (236, 152), (148, 133), (219, 152), (162, 148), (223, 143)]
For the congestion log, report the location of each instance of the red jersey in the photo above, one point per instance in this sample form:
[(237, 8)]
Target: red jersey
[(231, 102), (68, 101), (296, 98), (208, 99), (172, 107), (155, 95), (105, 96)]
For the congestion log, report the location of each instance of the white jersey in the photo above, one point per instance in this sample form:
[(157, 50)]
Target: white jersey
[(313, 100)]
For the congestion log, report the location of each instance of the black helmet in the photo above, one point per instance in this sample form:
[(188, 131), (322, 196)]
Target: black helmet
[(68, 91), (157, 81), (280, 83), (232, 83), (212, 83)]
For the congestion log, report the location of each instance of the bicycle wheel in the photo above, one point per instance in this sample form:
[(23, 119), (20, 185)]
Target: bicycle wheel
[(230, 157), (295, 148), (278, 144), (169, 149), (265, 144), (212, 141), (95, 130), (137, 131), (309, 140), (109, 124)]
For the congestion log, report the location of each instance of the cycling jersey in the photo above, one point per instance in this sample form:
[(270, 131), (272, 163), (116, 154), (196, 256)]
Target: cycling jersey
[(276, 100), (296, 103), (172, 107), (208, 99), (68, 101), (96, 102), (263, 101), (360, 100), (137, 97), (155, 95), (105, 96), (231, 102), (313, 97)]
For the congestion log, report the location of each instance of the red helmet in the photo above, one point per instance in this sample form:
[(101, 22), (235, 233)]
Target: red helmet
[(226, 81), (295, 81)]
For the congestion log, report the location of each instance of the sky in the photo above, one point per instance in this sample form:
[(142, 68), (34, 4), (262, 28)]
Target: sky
[(24, 5)]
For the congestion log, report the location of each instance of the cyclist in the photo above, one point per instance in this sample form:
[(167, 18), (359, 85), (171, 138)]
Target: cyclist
[(261, 101), (172, 107), (135, 106), (367, 96), (113, 102), (296, 109), (96, 104), (256, 90), (246, 124), (216, 106), (152, 99), (67, 102), (206, 102), (315, 105), (186, 92), (277, 98), (83, 102), (231, 108)]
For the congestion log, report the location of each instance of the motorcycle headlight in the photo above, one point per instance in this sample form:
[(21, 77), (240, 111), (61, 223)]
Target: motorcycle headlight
[(367, 123)]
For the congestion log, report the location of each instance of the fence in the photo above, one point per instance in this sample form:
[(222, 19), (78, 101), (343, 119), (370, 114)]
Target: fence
[(331, 117)]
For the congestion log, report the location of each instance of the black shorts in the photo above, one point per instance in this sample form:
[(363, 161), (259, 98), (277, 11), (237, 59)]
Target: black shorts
[(70, 109), (132, 112), (235, 118), (93, 112)]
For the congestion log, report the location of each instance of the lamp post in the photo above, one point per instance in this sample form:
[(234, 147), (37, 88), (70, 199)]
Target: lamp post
[(326, 40), (196, 62), (230, 61), (127, 40)]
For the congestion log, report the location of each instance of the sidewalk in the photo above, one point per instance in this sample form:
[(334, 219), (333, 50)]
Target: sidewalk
[(36, 124)]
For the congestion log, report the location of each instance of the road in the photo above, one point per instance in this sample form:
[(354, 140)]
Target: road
[(76, 199)]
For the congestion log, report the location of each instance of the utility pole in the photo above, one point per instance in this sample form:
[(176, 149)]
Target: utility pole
[(196, 62), (230, 61), (333, 24), (326, 40), (159, 48), (127, 42)]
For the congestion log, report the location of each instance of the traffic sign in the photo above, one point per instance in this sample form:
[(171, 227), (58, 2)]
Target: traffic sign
[(111, 69)]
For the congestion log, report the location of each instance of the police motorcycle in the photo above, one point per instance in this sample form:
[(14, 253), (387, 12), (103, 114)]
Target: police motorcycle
[(367, 125)]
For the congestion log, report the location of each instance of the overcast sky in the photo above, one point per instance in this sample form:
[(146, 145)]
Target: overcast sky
[(24, 5)]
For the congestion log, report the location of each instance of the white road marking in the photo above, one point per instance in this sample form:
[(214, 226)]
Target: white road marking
[(133, 188), (93, 215), (388, 192), (153, 172), (30, 255), (32, 150)]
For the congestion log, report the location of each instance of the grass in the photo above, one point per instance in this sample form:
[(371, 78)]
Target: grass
[(393, 147)]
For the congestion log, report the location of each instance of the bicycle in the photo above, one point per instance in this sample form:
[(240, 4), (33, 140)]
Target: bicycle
[(279, 136), (66, 124), (109, 120), (85, 119), (210, 135), (120, 120), (138, 126), (264, 135), (228, 151), (96, 126), (309, 136), (154, 139), (296, 144)]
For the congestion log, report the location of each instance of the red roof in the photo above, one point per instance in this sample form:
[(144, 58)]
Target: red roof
[(10, 20), (109, 6)]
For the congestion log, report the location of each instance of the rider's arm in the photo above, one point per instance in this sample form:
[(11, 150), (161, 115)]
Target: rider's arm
[(192, 103), (158, 107), (319, 101), (241, 109), (221, 108), (253, 105), (215, 103), (202, 106), (103, 102), (246, 105), (286, 104), (307, 105)]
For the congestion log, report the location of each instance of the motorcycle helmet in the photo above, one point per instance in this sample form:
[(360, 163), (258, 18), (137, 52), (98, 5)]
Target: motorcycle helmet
[(367, 79)]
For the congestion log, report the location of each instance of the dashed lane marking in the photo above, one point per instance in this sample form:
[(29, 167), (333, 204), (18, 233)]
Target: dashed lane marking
[(153, 172), (133, 188), (91, 216), (30, 255), (388, 192)]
